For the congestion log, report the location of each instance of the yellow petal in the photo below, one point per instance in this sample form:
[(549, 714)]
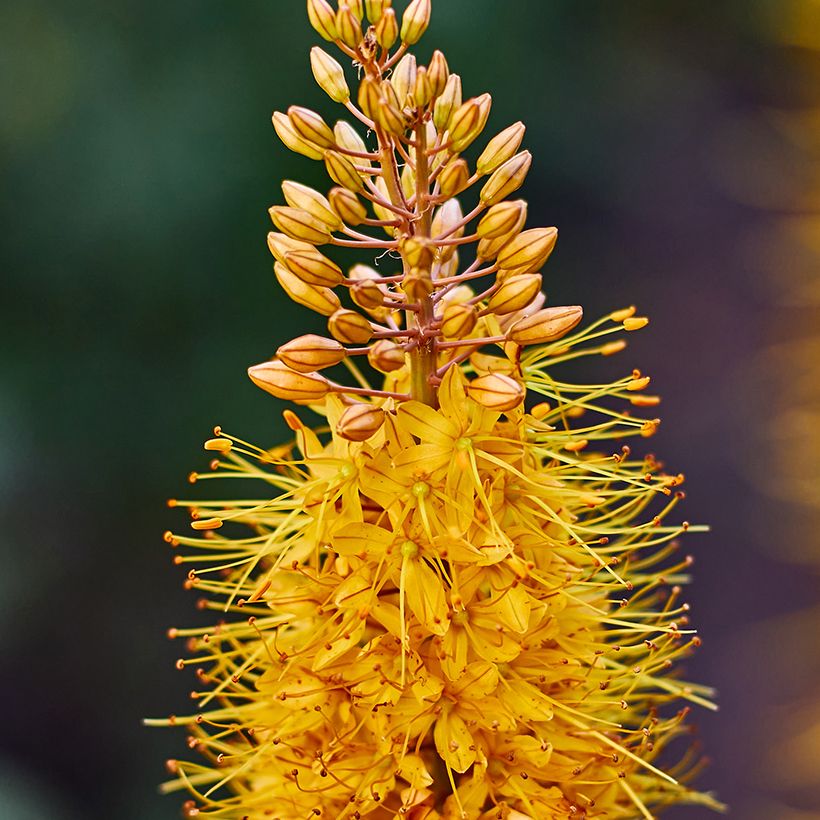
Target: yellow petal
[(526, 701), (426, 424), (454, 742), (356, 538), (425, 597)]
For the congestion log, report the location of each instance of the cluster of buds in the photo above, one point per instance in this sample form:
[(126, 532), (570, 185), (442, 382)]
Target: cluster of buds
[(453, 279)]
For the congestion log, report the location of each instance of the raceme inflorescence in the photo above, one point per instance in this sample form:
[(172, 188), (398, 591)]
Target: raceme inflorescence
[(458, 595)]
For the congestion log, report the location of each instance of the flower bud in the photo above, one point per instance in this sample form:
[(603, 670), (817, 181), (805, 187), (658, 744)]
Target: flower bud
[(299, 224), (367, 294), (350, 328), (386, 356), (389, 114), (546, 325), (311, 127), (528, 251), (501, 148), (515, 293), (469, 120), (314, 268), (348, 26), (503, 219), (360, 422), (506, 321), (403, 79), (347, 137), (417, 252), (311, 352), (454, 177), (329, 75), (322, 18), (415, 21), (279, 244), (423, 89), (286, 132), (347, 206), (341, 171), (368, 97), (437, 72), (321, 300), (375, 9), (357, 7), (417, 284), (387, 30), (496, 391), (279, 380), (447, 103), (444, 221), (506, 179), (458, 321), (300, 196)]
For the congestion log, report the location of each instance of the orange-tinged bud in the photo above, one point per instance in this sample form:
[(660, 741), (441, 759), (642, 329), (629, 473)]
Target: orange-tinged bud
[(347, 206), (635, 323), (454, 177), (279, 380), (386, 356), (348, 137), (311, 127), (368, 97), (447, 103), (503, 220), (469, 120), (545, 325), (415, 20), (437, 72), (501, 148), (528, 251), (417, 252), (299, 224), (321, 300), (311, 352), (314, 268), (515, 293), (417, 284), (458, 321), (367, 294), (280, 244), (357, 7), (300, 196), (291, 139), (423, 89), (341, 171), (329, 75), (350, 328), (506, 179), (507, 321), (375, 9), (496, 391), (403, 79), (390, 116), (360, 422), (348, 25), (387, 30), (322, 18)]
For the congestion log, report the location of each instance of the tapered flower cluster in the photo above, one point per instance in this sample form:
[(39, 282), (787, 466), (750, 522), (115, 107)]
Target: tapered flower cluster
[(445, 602)]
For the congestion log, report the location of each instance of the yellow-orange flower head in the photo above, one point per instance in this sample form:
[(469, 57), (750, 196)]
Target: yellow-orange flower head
[(439, 605)]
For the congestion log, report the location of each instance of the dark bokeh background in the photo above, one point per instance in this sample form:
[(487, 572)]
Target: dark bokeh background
[(137, 162)]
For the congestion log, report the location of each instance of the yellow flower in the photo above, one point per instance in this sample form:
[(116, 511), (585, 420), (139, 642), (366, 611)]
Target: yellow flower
[(439, 605)]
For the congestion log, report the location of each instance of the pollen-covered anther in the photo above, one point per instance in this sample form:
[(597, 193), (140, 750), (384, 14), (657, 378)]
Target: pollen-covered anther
[(496, 391), (635, 323), (545, 325), (207, 524), (310, 353), (360, 422), (218, 445)]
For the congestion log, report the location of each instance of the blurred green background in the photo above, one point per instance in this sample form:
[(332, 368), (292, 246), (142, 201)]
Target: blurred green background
[(137, 162)]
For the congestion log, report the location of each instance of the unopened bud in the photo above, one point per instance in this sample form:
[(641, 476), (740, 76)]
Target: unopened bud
[(445, 220), (515, 293), (417, 284), (311, 127), (387, 30), (545, 325), (321, 300), (311, 352), (503, 220), (423, 89), (447, 103), (417, 252), (506, 179), (454, 177), (403, 79), (375, 9), (347, 137), (469, 121), (367, 294), (390, 116), (279, 380), (386, 356), (279, 244), (314, 268), (300, 196), (350, 328), (508, 320), (347, 206), (341, 171), (299, 224), (348, 26), (415, 21), (437, 72), (497, 392), (291, 139), (360, 421), (357, 7), (322, 18), (458, 321), (501, 148), (329, 75), (368, 97), (528, 251)]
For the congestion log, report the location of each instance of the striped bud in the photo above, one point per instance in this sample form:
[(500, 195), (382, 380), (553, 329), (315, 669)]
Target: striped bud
[(322, 18), (311, 352), (469, 120), (423, 89), (300, 196), (348, 26), (444, 224), (545, 325), (329, 75), (350, 328), (311, 127), (501, 148), (279, 244), (321, 300), (299, 224), (348, 137), (458, 321), (387, 30), (347, 206), (417, 252), (375, 9), (389, 114), (454, 177), (357, 7), (314, 268), (286, 132), (503, 219), (403, 79), (447, 103), (415, 21), (279, 380), (367, 294), (438, 71), (417, 284), (368, 97), (506, 179), (360, 422), (386, 356), (528, 251), (341, 171), (496, 391), (506, 321), (515, 293)]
